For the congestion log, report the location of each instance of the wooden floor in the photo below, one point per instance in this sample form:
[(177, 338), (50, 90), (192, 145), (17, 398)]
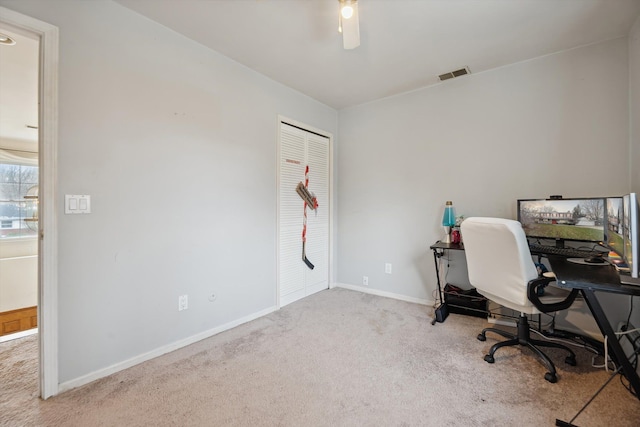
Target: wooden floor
[(18, 320)]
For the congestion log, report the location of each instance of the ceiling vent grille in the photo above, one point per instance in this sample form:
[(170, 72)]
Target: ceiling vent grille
[(457, 73)]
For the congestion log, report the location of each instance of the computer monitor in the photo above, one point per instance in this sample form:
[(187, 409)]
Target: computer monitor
[(630, 232), (614, 233), (580, 220)]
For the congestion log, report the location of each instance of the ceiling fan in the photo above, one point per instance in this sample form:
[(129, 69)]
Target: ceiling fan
[(348, 23)]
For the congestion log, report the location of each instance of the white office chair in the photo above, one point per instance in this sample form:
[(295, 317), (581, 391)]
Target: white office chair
[(501, 269)]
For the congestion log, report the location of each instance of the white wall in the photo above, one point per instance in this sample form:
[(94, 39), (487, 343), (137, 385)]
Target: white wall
[(552, 125), (18, 273), (176, 145), (634, 104)]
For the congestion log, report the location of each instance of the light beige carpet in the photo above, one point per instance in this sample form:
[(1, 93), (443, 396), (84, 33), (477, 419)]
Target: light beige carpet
[(337, 358)]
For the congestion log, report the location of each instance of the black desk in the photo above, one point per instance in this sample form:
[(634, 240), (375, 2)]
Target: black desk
[(590, 279), (438, 249), (470, 303)]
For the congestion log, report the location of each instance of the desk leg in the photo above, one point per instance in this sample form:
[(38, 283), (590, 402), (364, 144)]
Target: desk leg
[(435, 260), (614, 345), (442, 311)]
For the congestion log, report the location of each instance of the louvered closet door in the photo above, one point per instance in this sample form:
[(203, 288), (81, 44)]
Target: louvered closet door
[(297, 149), (317, 247)]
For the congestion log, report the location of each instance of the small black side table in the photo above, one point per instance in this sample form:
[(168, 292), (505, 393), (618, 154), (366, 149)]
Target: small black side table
[(439, 248)]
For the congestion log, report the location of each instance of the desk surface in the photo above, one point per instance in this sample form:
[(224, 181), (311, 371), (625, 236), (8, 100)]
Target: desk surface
[(600, 277), (590, 279), (453, 246)]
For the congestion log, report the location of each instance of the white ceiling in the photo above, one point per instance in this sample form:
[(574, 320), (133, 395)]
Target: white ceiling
[(405, 44)]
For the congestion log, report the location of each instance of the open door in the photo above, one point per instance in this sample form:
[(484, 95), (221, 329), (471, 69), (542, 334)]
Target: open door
[(47, 126)]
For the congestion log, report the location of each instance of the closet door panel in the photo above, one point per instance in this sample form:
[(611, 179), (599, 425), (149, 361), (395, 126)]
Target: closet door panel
[(292, 165), (318, 220)]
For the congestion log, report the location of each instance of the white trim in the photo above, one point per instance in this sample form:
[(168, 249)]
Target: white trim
[(48, 148), (380, 293), (286, 120), (109, 370), (16, 335), (278, 172), (19, 257)]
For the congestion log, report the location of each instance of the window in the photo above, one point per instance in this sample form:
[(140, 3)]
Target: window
[(17, 213)]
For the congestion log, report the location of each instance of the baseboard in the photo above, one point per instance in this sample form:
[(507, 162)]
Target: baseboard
[(17, 335), (109, 370), (367, 290), (101, 373)]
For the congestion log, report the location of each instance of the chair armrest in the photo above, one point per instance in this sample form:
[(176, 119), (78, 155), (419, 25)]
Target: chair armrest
[(532, 290)]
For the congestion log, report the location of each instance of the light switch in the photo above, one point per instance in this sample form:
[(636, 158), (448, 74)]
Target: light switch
[(77, 204)]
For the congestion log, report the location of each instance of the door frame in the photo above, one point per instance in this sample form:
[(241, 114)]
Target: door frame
[(286, 120), (47, 224)]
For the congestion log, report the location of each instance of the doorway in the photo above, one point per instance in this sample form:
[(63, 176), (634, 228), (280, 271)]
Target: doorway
[(46, 234), (19, 68)]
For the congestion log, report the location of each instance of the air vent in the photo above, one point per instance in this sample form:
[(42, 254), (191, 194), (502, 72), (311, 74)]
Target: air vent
[(456, 73)]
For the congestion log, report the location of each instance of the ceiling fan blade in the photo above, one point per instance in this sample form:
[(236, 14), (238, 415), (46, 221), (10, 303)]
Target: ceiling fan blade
[(351, 30)]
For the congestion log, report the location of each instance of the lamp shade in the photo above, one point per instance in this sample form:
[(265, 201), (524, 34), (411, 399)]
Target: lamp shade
[(449, 217)]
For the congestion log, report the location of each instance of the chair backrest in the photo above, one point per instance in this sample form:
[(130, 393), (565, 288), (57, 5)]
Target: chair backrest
[(498, 259)]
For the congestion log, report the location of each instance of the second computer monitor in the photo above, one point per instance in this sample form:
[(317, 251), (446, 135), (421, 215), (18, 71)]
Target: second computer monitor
[(614, 234), (631, 232)]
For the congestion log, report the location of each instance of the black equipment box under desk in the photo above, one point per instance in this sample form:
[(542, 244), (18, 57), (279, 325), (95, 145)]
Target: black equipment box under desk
[(465, 301)]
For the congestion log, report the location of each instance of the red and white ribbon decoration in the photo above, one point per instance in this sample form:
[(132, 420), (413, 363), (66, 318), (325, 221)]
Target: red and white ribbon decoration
[(304, 222)]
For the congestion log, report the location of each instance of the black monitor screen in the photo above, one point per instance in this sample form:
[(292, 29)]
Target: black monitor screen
[(563, 219)]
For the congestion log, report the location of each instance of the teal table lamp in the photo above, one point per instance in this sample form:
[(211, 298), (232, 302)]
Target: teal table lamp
[(448, 221)]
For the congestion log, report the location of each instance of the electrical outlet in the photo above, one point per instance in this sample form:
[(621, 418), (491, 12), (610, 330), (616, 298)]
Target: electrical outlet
[(365, 280), (183, 302), (387, 268)]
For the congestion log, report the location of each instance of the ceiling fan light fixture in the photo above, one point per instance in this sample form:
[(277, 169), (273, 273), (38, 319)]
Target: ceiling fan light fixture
[(348, 23), (346, 11)]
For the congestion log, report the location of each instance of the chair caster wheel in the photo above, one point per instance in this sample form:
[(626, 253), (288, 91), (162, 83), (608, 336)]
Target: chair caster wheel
[(551, 377), (570, 360), (489, 358), (481, 337)]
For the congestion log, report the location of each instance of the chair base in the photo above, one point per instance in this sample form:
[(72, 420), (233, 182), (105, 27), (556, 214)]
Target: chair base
[(524, 339)]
